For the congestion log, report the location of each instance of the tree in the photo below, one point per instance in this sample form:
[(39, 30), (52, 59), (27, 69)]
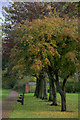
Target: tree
[(66, 8), (28, 55), (17, 12), (53, 42)]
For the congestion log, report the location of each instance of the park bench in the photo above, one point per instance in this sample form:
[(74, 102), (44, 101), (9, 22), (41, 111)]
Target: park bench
[(21, 99)]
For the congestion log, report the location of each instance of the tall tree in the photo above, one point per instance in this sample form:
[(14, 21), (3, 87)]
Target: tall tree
[(19, 11), (53, 42)]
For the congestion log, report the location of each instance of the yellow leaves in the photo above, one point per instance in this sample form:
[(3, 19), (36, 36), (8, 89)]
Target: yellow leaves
[(46, 61), (24, 44), (37, 65), (36, 50), (65, 20), (52, 7), (52, 52), (45, 17), (43, 39), (44, 53), (30, 27), (46, 44), (50, 12), (39, 44), (31, 37), (36, 21), (49, 36)]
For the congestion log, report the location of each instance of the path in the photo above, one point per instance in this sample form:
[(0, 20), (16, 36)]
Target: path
[(8, 103)]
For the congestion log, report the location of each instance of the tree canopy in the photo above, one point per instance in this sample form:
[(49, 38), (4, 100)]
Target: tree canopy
[(52, 41)]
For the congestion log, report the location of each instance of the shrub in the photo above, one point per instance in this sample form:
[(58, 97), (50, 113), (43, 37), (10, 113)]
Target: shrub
[(8, 82), (72, 87)]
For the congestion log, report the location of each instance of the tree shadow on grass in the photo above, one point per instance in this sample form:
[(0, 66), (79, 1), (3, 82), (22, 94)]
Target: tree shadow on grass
[(61, 111), (43, 100)]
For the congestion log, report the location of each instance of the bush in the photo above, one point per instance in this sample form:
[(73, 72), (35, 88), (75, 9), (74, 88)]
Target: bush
[(8, 82), (69, 87), (72, 87), (20, 86)]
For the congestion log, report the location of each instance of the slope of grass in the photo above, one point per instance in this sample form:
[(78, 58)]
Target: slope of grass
[(36, 108)]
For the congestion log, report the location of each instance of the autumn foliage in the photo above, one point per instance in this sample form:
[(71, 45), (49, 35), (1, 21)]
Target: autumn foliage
[(50, 41)]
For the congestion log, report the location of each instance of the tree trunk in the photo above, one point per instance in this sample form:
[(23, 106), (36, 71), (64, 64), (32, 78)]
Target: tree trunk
[(37, 88), (52, 84), (50, 91), (63, 102), (79, 76), (54, 93), (45, 89), (41, 87), (62, 93)]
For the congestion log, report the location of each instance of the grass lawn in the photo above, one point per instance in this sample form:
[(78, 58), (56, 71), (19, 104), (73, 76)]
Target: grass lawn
[(5, 93), (36, 108)]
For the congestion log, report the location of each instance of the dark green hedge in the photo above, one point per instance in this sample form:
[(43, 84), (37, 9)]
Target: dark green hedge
[(8, 82), (72, 87)]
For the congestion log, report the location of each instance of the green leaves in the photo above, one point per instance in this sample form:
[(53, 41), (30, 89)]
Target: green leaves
[(47, 42)]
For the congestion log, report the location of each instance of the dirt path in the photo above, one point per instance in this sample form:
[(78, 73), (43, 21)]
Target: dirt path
[(8, 103)]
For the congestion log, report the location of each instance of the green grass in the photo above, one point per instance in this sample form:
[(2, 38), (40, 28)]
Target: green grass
[(5, 93), (36, 108)]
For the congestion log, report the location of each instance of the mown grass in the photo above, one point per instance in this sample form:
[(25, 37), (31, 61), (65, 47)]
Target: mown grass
[(5, 93), (36, 108)]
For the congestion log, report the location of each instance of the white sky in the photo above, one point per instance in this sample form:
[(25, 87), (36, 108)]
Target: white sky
[(1, 5)]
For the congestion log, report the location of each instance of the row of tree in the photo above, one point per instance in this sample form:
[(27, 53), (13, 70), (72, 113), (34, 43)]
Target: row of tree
[(43, 41)]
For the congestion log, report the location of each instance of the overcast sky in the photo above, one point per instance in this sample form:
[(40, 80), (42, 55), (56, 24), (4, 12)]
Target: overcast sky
[(1, 5)]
